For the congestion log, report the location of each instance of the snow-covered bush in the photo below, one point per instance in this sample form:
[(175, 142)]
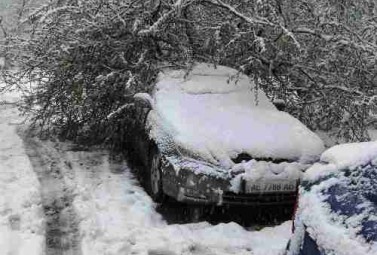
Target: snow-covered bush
[(89, 57), (13, 28), (317, 55)]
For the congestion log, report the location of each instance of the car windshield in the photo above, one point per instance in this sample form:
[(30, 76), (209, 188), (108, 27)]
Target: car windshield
[(355, 196)]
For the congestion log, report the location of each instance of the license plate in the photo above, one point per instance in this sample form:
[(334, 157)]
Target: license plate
[(270, 186)]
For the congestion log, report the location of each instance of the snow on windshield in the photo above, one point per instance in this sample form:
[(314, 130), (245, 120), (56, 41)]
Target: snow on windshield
[(338, 211), (217, 114)]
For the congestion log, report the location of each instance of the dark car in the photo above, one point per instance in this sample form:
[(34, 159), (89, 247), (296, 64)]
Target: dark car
[(210, 137), (337, 209)]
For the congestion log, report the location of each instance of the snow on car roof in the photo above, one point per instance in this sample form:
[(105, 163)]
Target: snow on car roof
[(351, 154), (348, 155), (218, 113)]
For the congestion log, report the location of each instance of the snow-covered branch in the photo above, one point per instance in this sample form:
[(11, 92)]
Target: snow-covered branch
[(231, 9), (118, 111), (175, 8)]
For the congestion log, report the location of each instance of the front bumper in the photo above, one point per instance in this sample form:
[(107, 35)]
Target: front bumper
[(186, 185)]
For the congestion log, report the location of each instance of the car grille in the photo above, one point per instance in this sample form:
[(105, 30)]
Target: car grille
[(246, 157), (260, 199)]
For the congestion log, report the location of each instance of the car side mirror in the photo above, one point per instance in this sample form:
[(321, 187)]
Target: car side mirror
[(144, 99), (280, 104)]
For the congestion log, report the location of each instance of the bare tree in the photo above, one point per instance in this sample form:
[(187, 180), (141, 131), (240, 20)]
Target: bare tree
[(89, 57)]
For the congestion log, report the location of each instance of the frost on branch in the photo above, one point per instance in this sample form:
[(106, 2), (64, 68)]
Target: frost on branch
[(317, 56)]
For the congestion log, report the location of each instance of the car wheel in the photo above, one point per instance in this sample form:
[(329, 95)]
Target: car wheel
[(154, 178)]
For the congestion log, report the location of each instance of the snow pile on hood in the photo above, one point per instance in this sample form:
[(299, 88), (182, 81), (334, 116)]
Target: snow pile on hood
[(261, 171), (217, 114), (351, 154)]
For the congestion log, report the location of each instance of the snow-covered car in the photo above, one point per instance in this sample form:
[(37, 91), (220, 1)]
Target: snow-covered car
[(210, 136), (337, 208)]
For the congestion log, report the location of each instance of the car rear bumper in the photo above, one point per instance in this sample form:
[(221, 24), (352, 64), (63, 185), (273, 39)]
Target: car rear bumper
[(186, 186), (259, 199)]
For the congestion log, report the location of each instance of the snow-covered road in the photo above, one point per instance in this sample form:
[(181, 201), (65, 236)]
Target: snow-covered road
[(57, 192), (81, 203), (21, 213)]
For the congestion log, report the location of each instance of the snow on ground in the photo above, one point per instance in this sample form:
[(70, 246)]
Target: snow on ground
[(116, 216), (21, 214), (107, 212)]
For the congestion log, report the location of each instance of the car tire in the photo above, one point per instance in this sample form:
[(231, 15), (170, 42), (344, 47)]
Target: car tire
[(154, 177)]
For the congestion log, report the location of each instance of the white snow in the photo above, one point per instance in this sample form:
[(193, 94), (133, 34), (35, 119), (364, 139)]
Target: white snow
[(21, 214), (338, 234), (351, 154), (325, 227), (319, 170), (348, 155), (252, 170), (258, 170), (215, 114), (116, 216), (264, 171), (144, 97)]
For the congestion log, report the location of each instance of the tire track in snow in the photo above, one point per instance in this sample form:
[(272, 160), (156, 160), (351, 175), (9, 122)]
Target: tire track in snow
[(62, 234), (113, 215), (21, 212)]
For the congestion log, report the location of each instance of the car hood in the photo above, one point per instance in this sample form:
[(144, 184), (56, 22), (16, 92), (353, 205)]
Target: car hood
[(216, 118)]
